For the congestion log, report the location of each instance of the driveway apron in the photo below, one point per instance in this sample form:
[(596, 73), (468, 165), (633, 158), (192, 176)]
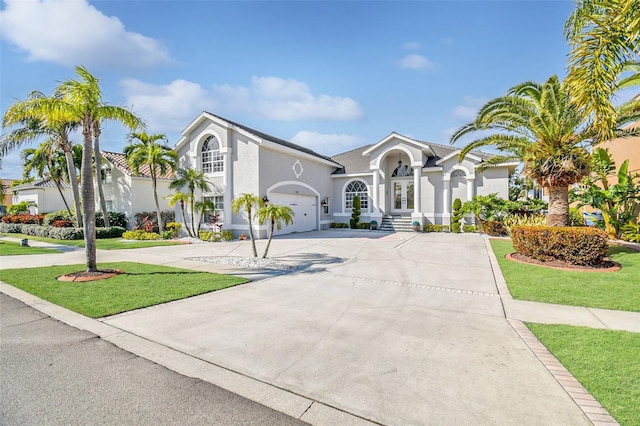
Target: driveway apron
[(401, 329)]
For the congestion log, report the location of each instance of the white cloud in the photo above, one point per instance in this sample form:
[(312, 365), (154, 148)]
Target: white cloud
[(328, 144), (285, 100), (169, 107), (73, 32), (416, 62), (411, 45), (469, 109)]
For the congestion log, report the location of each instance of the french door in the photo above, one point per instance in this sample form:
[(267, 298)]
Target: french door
[(403, 196)]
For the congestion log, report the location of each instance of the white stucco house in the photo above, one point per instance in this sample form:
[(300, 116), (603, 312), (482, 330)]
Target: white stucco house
[(124, 190), (397, 177)]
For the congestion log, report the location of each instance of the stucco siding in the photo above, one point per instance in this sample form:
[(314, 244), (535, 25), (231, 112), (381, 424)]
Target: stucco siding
[(493, 180)]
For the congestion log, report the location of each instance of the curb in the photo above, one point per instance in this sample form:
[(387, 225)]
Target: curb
[(294, 405), (595, 412)]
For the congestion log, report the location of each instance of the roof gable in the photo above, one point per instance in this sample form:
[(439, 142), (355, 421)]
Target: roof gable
[(119, 160)]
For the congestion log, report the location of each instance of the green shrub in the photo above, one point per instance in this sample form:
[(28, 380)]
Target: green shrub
[(205, 235), (576, 245), (339, 225), (22, 207), (364, 225), (355, 212), (470, 228), (174, 230), (12, 228), (115, 219), (458, 214), (62, 224), (494, 228), (436, 228), (110, 232), (66, 233), (35, 219), (50, 218), (139, 234), (576, 218), (524, 220), (631, 232), (227, 235)]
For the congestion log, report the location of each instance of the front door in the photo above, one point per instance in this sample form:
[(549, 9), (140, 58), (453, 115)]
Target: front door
[(402, 195)]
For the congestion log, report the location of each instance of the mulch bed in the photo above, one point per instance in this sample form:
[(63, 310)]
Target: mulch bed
[(83, 276), (606, 266)]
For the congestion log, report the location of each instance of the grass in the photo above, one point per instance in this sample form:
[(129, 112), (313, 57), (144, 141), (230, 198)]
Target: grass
[(101, 244), (607, 290), (140, 286), (10, 248), (604, 361)]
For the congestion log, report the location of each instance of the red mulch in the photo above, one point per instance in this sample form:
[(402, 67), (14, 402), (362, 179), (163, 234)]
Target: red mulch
[(606, 266), (82, 276)]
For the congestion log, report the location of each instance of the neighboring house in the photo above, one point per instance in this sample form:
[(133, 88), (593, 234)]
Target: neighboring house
[(42, 196), (621, 149), (124, 191), (397, 176)]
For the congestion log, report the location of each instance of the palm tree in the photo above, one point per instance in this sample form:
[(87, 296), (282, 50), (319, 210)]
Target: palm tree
[(47, 163), (182, 198), (202, 207), (248, 202), (537, 124), (82, 99), (276, 215), (604, 36), (193, 179), (144, 150), (35, 121)]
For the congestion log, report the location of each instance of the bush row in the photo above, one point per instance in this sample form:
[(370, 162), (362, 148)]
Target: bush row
[(225, 235), (23, 218), (576, 245), (59, 233), (140, 234)]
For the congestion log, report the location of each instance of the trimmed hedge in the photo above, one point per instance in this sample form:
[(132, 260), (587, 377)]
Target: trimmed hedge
[(59, 233), (139, 234), (576, 245), (339, 225), (23, 218), (470, 228), (494, 228), (436, 228)]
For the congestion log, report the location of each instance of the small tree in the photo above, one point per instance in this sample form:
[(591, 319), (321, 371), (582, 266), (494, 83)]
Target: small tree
[(355, 212), (276, 215), (182, 198), (249, 203), (458, 214)]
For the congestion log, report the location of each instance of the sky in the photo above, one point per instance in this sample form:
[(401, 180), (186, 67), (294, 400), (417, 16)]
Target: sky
[(328, 75)]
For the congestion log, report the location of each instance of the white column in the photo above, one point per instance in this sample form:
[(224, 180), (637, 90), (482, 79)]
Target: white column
[(446, 195), (227, 182), (417, 172), (375, 191), (470, 188)]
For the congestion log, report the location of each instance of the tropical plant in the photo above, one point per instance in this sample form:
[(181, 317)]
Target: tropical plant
[(32, 119), (355, 212), (202, 207), (249, 203), (276, 215), (182, 198), (604, 36), (192, 179), (536, 124), (620, 202), (631, 232), (46, 163), (145, 150)]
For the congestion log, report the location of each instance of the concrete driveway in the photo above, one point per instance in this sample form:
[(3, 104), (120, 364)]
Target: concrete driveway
[(393, 328)]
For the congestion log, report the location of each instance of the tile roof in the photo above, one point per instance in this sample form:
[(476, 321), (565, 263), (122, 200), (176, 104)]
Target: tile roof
[(273, 139), (42, 183), (120, 161)]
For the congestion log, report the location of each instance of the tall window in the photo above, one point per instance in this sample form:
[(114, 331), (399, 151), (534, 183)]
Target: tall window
[(218, 202), (359, 188), (212, 160)]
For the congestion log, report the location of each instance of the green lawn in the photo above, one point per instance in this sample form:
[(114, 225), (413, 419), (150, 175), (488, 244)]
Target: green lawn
[(140, 286), (10, 248), (608, 290), (606, 362), (102, 243)]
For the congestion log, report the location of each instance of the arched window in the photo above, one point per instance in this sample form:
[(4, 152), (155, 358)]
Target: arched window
[(402, 170), (359, 188), (458, 174), (212, 160)]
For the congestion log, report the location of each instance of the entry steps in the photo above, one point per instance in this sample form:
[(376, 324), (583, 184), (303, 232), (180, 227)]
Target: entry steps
[(396, 224)]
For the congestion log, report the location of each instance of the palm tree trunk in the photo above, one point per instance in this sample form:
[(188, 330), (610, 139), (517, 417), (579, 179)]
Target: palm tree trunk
[(64, 200), (184, 218), (558, 206), (98, 160), (73, 181), (266, 249), (88, 199), (253, 240), (155, 198), (192, 214)]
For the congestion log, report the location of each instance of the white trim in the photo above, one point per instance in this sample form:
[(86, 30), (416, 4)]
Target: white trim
[(432, 169), (467, 173), (291, 182), (350, 175), (296, 153), (343, 195), (404, 149), (469, 156), (395, 135)]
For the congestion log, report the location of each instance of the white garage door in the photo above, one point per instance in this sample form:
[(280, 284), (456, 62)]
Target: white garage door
[(304, 209)]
